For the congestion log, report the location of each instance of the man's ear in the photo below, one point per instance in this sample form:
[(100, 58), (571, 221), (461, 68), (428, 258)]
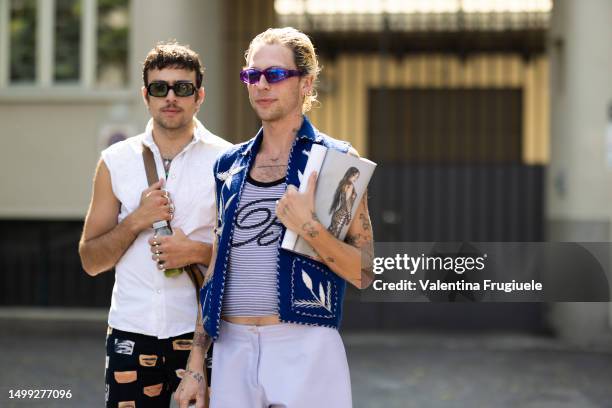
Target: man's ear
[(307, 85), (145, 96), (200, 95)]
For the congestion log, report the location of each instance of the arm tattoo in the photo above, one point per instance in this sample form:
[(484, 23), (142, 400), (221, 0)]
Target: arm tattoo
[(330, 259), (201, 339), (365, 222), (367, 255), (367, 263), (310, 229)]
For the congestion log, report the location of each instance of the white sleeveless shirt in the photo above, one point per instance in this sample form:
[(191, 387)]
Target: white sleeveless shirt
[(145, 301)]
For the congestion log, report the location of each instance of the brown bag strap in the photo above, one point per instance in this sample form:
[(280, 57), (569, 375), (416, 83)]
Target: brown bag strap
[(149, 164), (194, 273), (196, 276)]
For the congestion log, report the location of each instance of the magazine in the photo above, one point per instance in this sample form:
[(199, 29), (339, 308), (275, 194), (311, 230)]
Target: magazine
[(341, 182)]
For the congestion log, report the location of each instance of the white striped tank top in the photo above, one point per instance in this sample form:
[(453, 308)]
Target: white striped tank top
[(251, 283)]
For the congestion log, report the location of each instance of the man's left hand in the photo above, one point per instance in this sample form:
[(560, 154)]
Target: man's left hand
[(296, 210), (172, 251)]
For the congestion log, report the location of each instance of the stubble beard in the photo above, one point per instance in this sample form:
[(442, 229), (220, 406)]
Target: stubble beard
[(271, 114), (178, 123)]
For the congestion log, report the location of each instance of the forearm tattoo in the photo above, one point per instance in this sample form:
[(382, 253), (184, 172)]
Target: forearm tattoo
[(367, 257), (201, 339), (309, 228), (365, 222)]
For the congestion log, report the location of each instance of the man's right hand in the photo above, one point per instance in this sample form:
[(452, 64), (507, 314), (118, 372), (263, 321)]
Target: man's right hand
[(155, 205), (193, 388)]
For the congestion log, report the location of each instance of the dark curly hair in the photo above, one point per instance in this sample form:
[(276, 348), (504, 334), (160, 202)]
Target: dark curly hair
[(172, 55)]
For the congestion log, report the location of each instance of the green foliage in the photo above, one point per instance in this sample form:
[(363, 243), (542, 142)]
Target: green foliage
[(113, 31), (67, 40), (23, 40)]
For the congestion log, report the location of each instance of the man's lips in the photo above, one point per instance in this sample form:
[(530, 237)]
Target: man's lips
[(170, 110), (264, 101)]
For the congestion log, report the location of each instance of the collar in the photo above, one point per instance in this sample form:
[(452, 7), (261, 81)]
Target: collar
[(200, 134), (307, 131)]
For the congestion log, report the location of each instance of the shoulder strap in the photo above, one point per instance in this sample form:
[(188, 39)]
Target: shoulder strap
[(194, 273), (149, 163)]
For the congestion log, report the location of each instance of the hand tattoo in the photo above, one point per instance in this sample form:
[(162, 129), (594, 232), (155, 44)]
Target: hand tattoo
[(196, 376)]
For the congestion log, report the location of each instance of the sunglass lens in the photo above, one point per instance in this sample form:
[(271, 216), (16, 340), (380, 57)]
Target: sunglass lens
[(158, 89), (250, 76), (253, 76), (275, 75), (184, 89)]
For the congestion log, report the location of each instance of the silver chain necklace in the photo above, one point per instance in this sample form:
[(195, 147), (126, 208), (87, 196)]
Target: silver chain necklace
[(167, 163)]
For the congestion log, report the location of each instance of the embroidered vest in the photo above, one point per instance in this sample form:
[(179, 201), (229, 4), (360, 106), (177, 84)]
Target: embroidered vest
[(308, 291)]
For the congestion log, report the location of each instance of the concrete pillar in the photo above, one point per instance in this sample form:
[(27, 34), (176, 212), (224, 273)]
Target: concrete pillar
[(579, 185)]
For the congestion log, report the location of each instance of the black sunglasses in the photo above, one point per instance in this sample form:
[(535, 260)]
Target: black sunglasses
[(160, 89), (272, 75)]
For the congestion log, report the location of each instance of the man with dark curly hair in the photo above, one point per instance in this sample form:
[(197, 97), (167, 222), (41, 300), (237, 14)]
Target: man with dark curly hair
[(152, 312)]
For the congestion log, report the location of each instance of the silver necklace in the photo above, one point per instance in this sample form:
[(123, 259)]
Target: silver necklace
[(167, 163)]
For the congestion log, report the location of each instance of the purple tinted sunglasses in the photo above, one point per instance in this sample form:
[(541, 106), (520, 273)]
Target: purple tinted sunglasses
[(273, 75)]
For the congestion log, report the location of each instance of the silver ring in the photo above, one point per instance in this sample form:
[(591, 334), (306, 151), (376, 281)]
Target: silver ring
[(158, 253)]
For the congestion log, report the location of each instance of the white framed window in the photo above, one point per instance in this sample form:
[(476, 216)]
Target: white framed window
[(64, 44)]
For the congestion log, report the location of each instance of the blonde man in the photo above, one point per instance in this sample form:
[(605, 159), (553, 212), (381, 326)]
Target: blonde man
[(274, 314)]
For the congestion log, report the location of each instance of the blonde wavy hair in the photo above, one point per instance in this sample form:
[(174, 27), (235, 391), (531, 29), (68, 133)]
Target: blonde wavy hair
[(304, 55)]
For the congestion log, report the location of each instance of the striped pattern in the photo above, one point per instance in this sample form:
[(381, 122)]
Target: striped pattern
[(250, 288)]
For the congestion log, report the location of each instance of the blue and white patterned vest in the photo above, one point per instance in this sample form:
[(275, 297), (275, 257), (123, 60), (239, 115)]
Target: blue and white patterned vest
[(308, 291)]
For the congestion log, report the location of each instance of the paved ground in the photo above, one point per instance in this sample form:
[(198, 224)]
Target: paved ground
[(388, 370)]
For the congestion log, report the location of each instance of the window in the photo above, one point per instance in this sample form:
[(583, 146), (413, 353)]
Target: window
[(22, 36), (112, 50), (79, 43)]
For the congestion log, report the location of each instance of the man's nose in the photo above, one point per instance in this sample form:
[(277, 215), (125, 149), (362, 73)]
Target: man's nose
[(171, 95), (262, 83)]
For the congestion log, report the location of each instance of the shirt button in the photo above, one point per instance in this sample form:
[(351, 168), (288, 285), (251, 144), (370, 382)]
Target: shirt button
[(158, 291)]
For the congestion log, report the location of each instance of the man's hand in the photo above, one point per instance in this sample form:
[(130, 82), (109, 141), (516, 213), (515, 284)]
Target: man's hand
[(296, 210), (155, 205), (174, 251), (193, 387)]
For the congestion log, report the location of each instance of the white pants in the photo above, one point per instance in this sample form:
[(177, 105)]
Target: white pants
[(284, 365)]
